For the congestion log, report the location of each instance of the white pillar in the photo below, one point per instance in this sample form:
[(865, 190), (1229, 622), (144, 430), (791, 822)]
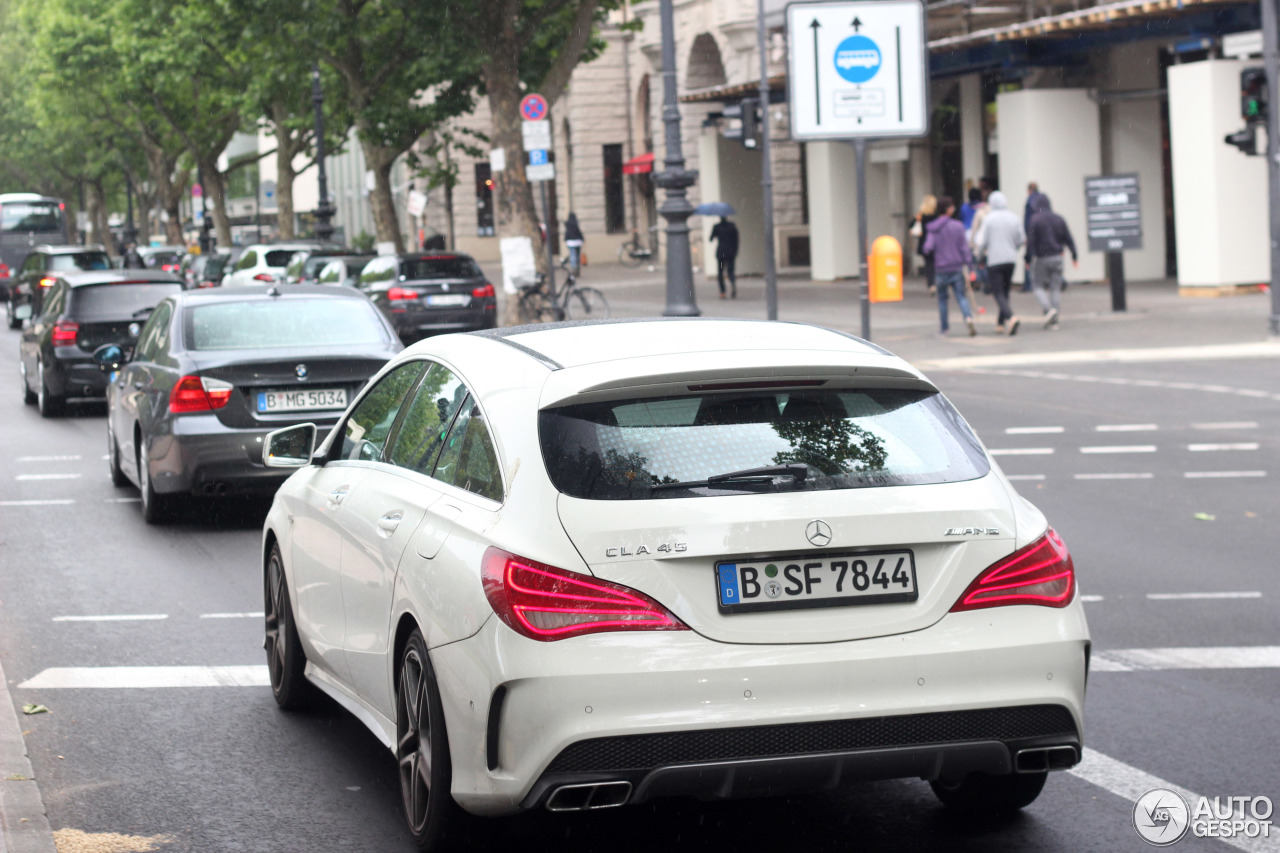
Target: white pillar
[(833, 206), (1135, 141), (1220, 214), (1052, 137), (971, 145)]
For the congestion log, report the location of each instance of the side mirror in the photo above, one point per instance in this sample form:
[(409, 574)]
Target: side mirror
[(291, 447), (108, 356)]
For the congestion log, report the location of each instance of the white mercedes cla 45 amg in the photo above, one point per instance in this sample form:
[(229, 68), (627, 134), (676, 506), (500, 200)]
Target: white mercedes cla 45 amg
[(586, 565)]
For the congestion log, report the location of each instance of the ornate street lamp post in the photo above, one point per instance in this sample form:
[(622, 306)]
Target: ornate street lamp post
[(324, 210), (675, 179)]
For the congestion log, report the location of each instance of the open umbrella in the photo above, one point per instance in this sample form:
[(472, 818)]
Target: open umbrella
[(713, 208)]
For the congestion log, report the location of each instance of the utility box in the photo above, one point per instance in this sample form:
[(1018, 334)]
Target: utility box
[(885, 270)]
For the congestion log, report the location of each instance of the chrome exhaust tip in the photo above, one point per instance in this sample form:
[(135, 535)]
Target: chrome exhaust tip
[(1042, 759), (589, 796)]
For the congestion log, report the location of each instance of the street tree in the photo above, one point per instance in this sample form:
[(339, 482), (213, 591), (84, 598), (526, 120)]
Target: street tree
[(437, 162)]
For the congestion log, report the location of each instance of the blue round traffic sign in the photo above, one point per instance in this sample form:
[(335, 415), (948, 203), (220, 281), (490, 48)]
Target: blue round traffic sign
[(533, 108), (857, 59)]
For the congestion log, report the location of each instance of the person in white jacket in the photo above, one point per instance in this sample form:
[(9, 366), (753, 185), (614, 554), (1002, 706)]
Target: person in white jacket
[(999, 238)]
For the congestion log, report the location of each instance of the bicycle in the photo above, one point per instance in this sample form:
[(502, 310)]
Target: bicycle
[(633, 253), (571, 302)]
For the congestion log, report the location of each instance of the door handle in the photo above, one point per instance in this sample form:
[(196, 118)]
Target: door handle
[(137, 386), (388, 523), (338, 495)]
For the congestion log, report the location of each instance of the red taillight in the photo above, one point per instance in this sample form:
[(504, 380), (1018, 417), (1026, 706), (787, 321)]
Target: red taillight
[(169, 267), (64, 334), (262, 276), (4, 271), (545, 603), (400, 293), (199, 394), (1041, 573), (47, 281), (485, 292)]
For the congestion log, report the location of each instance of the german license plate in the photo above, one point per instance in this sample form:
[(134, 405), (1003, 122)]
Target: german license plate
[(832, 580), (302, 400), (445, 300)]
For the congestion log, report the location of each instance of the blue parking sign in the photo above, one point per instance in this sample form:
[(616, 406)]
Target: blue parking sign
[(538, 157)]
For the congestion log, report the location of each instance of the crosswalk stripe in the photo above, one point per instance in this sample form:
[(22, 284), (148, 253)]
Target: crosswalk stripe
[(127, 677), (123, 617), (1194, 596), (1206, 657)]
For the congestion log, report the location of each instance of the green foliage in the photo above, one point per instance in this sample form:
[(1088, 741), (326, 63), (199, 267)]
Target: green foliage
[(363, 242), (438, 161)]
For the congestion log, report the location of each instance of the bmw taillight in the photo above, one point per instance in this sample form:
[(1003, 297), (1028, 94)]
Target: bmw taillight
[(1041, 573), (4, 271), (544, 603), (485, 292), (64, 334), (397, 294), (199, 394)]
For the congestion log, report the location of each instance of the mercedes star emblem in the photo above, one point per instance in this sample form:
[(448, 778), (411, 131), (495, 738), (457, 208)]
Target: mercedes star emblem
[(301, 370), (818, 532)]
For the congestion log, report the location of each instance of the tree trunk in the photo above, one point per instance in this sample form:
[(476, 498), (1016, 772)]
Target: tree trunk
[(215, 186), (448, 214), (284, 191), (98, 216), (382, 201)]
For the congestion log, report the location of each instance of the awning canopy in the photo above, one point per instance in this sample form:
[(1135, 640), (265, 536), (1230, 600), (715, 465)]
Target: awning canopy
[(638, 165)]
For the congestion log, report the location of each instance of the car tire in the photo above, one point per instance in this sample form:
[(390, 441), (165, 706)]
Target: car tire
[(422, 749), (286, 662), (13, 321), (156, 508), (28, 396), (118, 479), (49, 405), (981, 794)]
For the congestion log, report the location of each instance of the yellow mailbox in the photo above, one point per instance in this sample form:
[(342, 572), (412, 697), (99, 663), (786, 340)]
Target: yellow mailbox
[(885, 264)]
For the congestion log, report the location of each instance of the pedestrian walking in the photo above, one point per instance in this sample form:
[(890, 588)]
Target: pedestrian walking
[(970, 208), (998, 238), (573, 242), (1033, 195), (1046, 239), (977, 207), (725, 235), (132, 258), (946, 241), (925, 214)]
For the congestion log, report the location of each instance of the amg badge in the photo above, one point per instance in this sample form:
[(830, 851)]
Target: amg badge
[(972, 531)]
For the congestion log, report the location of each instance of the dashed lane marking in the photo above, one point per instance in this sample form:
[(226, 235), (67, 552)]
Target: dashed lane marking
[(1143, 476), (1024, 476), (1207, 475), (48, 477), (47, 459), (1022, 451), (1227, 425), (1120, 448), (59, 502), (1253, 393), (1239, 445), (119, 617), (1208, 657), (122, 500), (1197, 596), (1088, 599), (232, 615), (1130, 783), (1126, 428), (129, 677), (1044, 430)]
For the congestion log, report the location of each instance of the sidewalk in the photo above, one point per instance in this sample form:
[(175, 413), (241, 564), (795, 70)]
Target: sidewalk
[(1157, 316)]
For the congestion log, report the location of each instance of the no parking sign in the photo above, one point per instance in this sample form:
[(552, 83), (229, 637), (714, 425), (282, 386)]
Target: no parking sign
[(533, 107)]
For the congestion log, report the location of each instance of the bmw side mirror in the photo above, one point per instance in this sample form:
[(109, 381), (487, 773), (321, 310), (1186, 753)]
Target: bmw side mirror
[(108, 357), (291, 447)]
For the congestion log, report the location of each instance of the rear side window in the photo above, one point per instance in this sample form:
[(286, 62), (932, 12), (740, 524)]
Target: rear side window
[(445, 266), (669, 447), (80, 261), (467, 459), (119, 301), (278, 257), (331, 274), (281, 323), (381, 269), (365, 433), (295, 265), (247, 260), (427, 421)]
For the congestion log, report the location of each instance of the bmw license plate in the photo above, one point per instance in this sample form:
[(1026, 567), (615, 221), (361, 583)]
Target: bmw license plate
[(447, 300), (301, 400), (832, 580)]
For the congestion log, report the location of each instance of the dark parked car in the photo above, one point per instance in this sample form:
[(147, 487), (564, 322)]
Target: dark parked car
[(83, 311), (426, 294), (167, 258), (26, 289), (304, 267), (216, 370)]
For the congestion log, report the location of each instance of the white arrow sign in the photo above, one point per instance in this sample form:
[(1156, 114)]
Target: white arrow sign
[(857, 69)]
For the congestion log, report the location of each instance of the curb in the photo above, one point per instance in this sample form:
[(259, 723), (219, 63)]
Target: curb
[(24, 828)]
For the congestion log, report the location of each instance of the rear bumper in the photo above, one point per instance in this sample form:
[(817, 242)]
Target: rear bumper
[(203, 457), (416, 322), (676, 713), (74, 375)]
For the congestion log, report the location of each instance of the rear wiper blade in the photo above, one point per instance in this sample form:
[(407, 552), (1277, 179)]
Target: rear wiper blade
[(796, 470), (142, 312)]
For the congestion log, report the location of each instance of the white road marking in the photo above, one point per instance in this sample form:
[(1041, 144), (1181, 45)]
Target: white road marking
[(1120, 448), (1203, 475), (1033, 430), (1126, 427), (1195, 596), (1260, 349), (1024, 476), (47, 477), (1022, 451), (232, 615), (1227, 425), (127, 617), (1209, 657), (1130, 783), (1240, 445), (122, 500), (1114, 476), (944, 364), (62, 502), (130, 677), (1089, 598), (47, 459)]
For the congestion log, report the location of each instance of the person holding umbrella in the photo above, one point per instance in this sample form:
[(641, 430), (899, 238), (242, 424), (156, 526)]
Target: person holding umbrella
[(725, 235)]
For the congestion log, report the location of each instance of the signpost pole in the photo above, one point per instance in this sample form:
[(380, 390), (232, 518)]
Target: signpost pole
[(864, 287), (546, 241), (766, 172), (1115, 273), (1270, 51)]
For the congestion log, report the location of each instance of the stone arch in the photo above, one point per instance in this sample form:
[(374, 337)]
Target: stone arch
[(705, 67)]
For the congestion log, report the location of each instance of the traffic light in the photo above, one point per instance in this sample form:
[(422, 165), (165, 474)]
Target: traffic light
[(742, 122), (1246, 140), (1254, 95)]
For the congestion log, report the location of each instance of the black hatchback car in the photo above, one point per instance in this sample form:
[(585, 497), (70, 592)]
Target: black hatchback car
[(216, 370), (82, 311), (425, 294), (27, 287)]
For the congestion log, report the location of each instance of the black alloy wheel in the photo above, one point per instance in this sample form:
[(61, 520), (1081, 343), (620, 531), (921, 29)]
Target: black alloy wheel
[(422, 749), (49, 405), (28, 396), (286, 661), (155, 507), (980, 794), (118, 478)]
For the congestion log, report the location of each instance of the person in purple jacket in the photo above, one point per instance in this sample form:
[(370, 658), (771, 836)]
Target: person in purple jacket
[(945, 238)]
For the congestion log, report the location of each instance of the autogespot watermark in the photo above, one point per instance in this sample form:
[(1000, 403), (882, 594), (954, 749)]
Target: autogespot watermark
[(1162, 817)]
